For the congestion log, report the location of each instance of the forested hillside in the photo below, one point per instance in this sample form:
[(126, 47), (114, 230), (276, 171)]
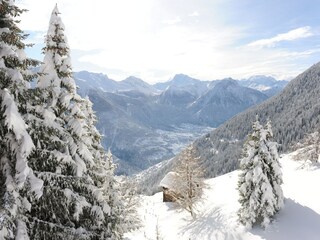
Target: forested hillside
[(293, 113)]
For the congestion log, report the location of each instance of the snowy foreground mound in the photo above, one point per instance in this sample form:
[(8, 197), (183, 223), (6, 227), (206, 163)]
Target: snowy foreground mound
[(217, 217)]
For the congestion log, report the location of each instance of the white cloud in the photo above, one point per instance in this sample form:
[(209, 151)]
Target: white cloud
[(294, 34), (194, 14), (172, 21), (124, 37)]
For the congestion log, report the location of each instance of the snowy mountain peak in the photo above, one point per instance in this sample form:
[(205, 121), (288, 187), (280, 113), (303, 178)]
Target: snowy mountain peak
[(265, 84), (192, 85), (227, 83), (182, 79), (262, 79), (136, 84), (225, 99), (135, 80), (89, 75)]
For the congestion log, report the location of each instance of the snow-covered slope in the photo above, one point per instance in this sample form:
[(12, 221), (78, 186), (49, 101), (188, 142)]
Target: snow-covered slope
[(217, 214)]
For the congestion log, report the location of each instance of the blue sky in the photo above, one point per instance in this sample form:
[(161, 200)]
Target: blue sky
[(206, 39)]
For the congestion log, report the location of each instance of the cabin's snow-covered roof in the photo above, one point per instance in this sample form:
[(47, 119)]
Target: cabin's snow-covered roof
[(169, 180)]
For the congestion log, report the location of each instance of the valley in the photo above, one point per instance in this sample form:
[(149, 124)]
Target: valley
[(145, 124)]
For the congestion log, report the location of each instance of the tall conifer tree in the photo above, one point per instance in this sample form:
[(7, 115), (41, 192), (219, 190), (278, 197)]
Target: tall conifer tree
[(69, 157), (260, 180), (16, 177)]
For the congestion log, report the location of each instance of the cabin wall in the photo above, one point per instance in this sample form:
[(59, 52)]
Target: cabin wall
[(168, 196)]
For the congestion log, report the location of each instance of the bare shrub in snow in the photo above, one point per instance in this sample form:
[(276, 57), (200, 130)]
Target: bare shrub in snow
[(189, 181), (309, 148)]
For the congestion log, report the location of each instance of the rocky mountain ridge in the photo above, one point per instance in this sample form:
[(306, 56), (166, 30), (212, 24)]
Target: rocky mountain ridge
[(144, 124)]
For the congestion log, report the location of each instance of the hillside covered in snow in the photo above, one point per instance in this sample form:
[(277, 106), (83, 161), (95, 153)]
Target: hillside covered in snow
[(217, 213)]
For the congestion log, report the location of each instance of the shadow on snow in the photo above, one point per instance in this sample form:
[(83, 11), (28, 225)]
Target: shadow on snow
[(211, 225), (294, 221)]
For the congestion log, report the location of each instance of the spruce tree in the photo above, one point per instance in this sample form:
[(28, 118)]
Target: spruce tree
[(127, 206), (259, 182), (274, 173), (103, 174), (69, 157), (16, 177)]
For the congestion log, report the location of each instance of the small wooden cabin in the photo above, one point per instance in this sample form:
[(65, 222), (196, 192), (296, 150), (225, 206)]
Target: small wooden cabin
[(168, 185)]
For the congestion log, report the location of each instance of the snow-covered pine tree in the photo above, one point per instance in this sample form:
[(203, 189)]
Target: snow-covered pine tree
[(260, 179), (121, 194), (103, 173), (274, 173), (69, 157), (130, 201), (16, 145), (190, 181)]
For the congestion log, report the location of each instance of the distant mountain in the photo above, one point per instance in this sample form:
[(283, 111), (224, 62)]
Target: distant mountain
[(140, 130), (174, 95), (223, 101), (143, 129), (133, 83), (144, 124), (180, 81), (87, 80), (267, 85), (293, 112)]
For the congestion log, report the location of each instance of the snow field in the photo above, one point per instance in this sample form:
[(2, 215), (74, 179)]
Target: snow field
[(217, 218)]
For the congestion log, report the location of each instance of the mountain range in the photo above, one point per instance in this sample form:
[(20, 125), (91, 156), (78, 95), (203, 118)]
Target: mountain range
[(294, 112), (145, 124)]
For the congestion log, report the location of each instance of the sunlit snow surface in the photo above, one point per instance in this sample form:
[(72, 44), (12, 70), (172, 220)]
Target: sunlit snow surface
[(217, 217)]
